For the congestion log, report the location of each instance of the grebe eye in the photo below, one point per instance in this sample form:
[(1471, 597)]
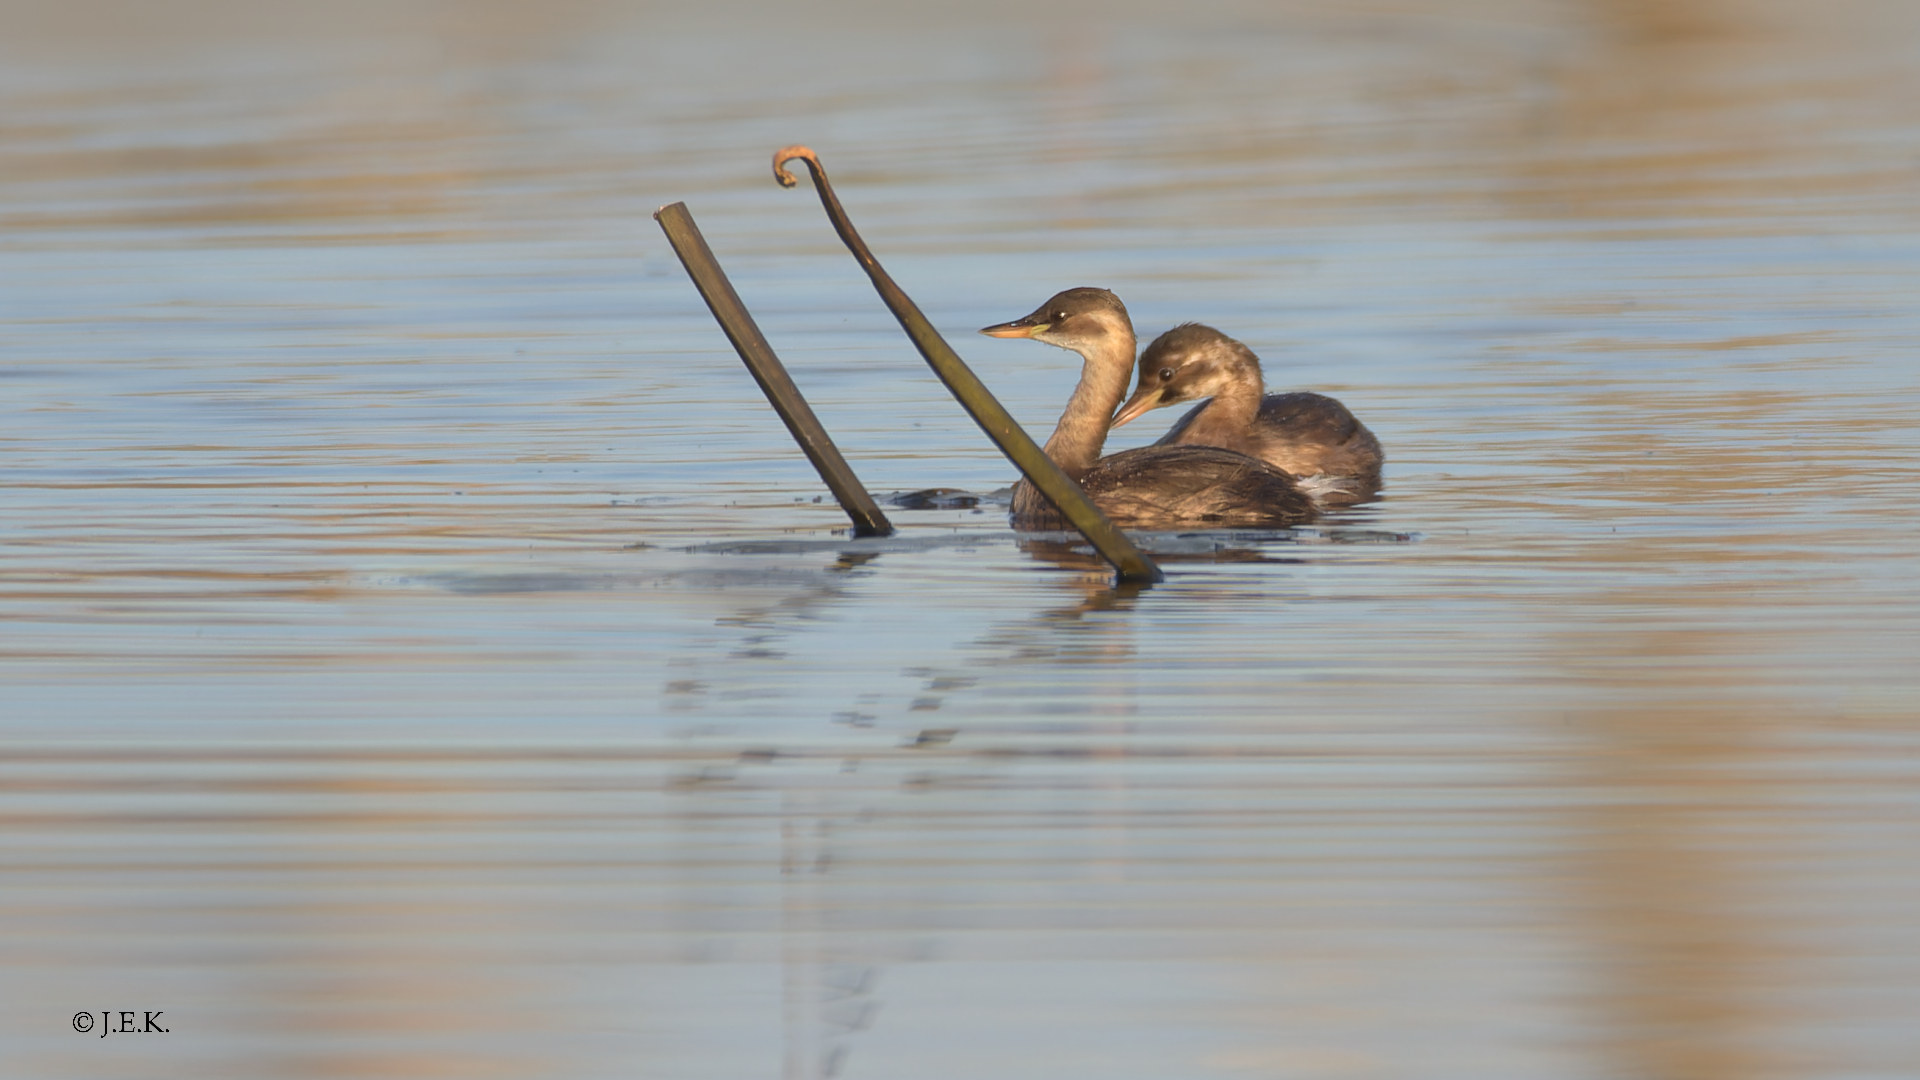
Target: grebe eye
[(1166, 374), (1059, 316)]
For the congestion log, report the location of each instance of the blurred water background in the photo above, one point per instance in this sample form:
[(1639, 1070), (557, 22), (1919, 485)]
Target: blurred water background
[(424, 654)]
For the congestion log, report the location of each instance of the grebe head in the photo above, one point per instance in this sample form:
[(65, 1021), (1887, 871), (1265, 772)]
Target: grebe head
[(1084, 320), (1187, 363)]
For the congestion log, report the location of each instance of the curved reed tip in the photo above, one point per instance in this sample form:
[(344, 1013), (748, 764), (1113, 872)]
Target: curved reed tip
[(786, 154)]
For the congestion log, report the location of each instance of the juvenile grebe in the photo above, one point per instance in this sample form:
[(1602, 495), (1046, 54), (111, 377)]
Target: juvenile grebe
[(1153, 487), (1302, 434)]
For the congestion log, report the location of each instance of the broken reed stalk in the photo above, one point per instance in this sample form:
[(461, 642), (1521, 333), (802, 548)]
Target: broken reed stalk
[(767, 370), (1056, 486)]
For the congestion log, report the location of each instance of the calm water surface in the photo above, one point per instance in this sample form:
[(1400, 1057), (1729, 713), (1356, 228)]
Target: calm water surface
[(425, 655)]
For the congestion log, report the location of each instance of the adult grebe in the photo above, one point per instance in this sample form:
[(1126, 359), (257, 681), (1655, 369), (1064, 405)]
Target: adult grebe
[(1303, 434), (1153, 487)]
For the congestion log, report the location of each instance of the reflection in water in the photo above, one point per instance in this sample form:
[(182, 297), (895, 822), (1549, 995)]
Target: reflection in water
[(425, 654), (1681, 115), (1683, 851), (1670, 878)]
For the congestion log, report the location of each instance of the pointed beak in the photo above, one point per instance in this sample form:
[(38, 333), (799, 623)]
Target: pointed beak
[(1026, 328), (1142, 402)]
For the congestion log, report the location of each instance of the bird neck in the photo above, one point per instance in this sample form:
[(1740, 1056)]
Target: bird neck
[(1082, 430), (1235, 406)]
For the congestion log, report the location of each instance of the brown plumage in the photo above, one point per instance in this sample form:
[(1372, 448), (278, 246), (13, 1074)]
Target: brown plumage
[(1302, 434), (1153, 487)]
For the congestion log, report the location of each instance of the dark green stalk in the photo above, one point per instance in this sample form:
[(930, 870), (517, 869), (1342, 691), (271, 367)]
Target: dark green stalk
[(1056, 486), (767, 370)]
